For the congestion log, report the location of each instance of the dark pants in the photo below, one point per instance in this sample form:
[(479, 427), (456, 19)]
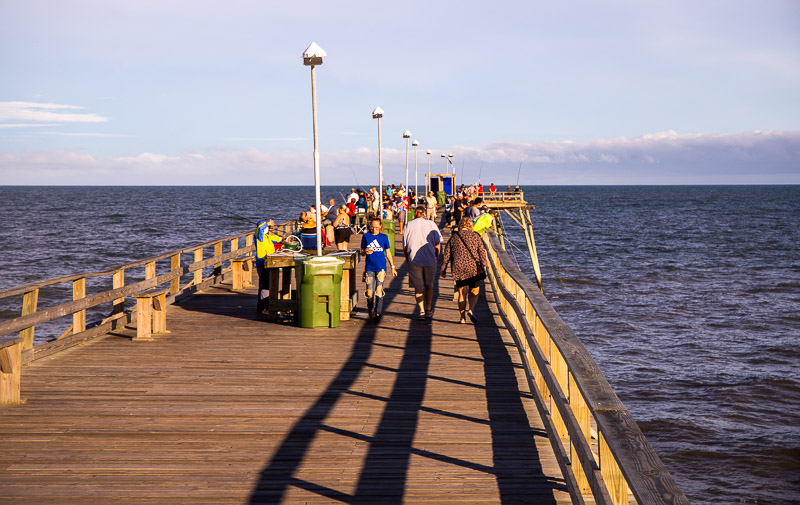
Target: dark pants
[(263, 288)]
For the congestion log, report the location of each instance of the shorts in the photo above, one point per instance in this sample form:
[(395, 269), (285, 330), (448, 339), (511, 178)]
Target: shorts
[(341, 235), (472, 282), (421, 277)]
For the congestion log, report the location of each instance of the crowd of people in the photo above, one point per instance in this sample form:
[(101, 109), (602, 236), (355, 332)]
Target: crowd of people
[(464, 213)]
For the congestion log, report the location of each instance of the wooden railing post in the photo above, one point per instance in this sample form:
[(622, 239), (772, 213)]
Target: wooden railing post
[(10, 372), (198, 274), (582, 415), (218, 252), (175, 264), (29, 303), (150, 270), (118, 305), (79, 293), (612, 475)]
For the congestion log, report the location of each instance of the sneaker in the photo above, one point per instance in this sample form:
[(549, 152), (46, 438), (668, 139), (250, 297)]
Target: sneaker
[(421, 316), (372, 314), (378, 318), (472, 317), (429, 314)]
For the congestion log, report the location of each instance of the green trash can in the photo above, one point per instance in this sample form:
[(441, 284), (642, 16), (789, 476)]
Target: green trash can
[(319, 284), (441, 197), (388, 229)]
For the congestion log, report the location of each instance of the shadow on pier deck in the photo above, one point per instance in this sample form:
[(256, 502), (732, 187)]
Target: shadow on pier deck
[(231, 409)]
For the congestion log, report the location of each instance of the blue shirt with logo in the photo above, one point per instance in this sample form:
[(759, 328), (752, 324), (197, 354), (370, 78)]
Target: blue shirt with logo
[(379, 243)]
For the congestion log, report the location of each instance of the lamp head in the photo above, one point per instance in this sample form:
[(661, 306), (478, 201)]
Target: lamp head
[(313, 55), (377, 113), (415, 143), (406, 134)]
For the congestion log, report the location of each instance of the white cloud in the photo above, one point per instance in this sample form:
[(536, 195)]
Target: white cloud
[(264, 139), (757, 157), (34, 112), (27, 125), (76, 134)]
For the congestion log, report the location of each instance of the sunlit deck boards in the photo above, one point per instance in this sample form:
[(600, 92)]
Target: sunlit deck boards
[(230, 409)]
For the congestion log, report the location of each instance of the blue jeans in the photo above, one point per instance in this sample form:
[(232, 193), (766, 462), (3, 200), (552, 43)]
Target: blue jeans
[(375, 290)]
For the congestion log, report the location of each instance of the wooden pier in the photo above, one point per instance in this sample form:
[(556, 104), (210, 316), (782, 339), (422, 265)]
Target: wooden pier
[(229, 408)]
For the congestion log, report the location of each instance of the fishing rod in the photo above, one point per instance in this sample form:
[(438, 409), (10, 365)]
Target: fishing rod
[(229, 214), (479, 173), (358, 184), (520, 167), (462, 171)]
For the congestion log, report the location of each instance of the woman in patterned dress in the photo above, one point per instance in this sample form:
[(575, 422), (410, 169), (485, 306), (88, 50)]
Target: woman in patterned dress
[(465, 252)]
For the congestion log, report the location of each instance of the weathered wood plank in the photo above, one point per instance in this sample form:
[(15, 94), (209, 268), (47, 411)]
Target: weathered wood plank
[(231, 409)]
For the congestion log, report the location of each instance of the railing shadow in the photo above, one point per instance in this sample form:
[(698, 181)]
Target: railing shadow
[(515, 458)]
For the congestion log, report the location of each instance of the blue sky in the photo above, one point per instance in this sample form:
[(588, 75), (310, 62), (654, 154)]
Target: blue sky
[(584, 92)]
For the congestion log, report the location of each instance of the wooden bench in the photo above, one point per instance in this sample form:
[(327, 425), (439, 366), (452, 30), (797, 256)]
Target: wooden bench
[(10, 371), (242, 273), (151, 313)]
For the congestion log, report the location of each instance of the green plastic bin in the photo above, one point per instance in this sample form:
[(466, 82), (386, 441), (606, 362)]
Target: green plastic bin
[(441, 197), (319, 284), (388, 229)]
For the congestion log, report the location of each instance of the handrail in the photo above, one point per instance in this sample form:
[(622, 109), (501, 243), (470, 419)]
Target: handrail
[(31, 316), (570, 391), (23, 288)]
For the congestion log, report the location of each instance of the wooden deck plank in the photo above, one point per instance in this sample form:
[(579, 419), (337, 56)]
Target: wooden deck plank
[(231, 409)]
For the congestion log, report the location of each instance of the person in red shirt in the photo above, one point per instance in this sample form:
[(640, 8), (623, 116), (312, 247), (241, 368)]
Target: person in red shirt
[(492, 189), (480, 189)]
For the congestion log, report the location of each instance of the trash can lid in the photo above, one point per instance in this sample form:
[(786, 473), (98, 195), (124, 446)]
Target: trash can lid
[(324, 260)]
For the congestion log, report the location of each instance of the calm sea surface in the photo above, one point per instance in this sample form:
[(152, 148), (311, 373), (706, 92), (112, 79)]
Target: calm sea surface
[(688, 297)]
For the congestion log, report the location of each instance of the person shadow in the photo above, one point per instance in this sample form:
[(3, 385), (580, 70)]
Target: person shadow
[(384, 473)]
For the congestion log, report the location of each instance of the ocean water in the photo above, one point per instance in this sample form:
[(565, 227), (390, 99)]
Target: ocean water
[(688, 297)]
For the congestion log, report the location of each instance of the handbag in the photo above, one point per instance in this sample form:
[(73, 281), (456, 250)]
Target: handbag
[(481, 270)]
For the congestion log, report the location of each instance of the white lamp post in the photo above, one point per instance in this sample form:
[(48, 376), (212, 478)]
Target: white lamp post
[(312, 57), (407, 135), (378, 114), (428, 182), (416, 175)]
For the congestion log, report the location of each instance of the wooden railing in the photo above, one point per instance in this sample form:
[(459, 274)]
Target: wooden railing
[(599, 447), (502, 196), (224, 250)]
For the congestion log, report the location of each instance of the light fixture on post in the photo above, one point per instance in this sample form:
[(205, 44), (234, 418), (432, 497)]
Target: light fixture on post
[(428, 180), (378, 114), (448, 162), (416, 175), (312, 57), (407, 135)]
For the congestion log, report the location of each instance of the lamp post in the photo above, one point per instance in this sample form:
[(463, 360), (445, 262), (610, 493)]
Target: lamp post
[(428, 182), (378, 114), (416, 174), (312, 57), (407, 135)]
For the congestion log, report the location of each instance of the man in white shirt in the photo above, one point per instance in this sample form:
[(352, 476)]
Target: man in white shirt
[(422, 243)]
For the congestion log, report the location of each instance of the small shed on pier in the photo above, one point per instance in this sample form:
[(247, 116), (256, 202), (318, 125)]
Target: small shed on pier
[(442, 182)]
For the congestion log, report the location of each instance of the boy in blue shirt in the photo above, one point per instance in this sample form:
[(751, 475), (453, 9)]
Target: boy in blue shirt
[(377, 251)]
